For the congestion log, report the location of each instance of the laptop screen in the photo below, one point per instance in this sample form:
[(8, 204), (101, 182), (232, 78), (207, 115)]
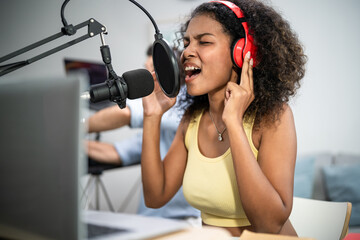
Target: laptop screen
[(41, 158), (96, 72)]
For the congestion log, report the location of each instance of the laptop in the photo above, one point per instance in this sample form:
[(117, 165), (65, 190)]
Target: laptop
[(41, 161), (40, 158), (95, 72)]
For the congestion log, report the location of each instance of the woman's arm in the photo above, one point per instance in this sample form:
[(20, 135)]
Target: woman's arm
[(161, 179), (266, 184)]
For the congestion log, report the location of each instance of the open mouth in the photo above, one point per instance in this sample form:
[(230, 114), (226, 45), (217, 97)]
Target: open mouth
[(191, 71)]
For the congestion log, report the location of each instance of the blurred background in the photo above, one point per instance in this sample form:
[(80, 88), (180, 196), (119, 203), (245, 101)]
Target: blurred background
[(326, 108)]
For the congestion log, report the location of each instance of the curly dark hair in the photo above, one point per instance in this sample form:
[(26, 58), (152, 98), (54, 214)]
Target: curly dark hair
[(280, 57)]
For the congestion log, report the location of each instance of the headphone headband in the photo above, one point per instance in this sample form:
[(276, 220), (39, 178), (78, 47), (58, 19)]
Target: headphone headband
[(233, 7)]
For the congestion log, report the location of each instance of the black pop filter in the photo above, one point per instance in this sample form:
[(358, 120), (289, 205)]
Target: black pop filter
[(165, 63), (166, 67)]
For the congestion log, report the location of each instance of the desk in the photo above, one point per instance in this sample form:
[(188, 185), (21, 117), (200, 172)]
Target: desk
[(135, 226), (143, 227), (154, 228), (211, 233)]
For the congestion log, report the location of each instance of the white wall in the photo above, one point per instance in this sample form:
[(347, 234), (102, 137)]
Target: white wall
[(325, 109)]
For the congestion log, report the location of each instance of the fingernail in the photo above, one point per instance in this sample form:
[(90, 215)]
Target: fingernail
[(247, 55), (251, 62)]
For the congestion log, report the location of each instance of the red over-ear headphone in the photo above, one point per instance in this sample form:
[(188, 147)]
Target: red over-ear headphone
[(243, 45)]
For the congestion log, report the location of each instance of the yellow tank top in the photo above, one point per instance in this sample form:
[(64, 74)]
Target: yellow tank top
[(210, 185)]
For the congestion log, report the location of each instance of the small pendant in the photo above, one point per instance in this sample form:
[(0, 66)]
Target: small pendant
[(220, 138)]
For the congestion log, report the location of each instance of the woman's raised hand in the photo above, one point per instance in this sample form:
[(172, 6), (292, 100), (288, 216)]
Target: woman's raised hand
[(157, 103), (239, 96)]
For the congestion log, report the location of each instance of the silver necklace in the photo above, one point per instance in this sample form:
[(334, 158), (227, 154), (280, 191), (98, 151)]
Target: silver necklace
[(220, 138)]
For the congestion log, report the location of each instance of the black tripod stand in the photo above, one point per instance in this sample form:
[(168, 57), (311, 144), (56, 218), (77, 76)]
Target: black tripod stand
[(95, 171)]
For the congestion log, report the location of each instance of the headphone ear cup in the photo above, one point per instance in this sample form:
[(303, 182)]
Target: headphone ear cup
[(237, 52)]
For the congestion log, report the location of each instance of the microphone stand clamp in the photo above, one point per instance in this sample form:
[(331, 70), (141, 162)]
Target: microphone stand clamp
[(119, 93)]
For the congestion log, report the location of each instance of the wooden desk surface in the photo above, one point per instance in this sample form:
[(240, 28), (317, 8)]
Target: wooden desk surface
[(212, 233)]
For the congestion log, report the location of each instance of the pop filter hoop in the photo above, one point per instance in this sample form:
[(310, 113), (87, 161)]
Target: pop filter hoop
[(166, 67)]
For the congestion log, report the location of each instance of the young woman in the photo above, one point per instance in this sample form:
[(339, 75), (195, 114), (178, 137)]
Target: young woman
[(235, 149)]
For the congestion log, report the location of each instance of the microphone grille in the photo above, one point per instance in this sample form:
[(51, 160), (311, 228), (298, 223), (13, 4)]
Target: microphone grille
[(140, 83)]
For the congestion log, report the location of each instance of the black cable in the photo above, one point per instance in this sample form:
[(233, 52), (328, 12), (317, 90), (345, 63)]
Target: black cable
[(148, 14), (68, 29), (62, 12)]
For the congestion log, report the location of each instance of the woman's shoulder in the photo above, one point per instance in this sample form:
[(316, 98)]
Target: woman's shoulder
[(285, 117), (189, 119)]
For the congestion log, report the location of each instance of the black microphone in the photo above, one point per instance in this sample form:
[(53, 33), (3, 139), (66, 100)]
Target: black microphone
[(133, 84), (165, 63)]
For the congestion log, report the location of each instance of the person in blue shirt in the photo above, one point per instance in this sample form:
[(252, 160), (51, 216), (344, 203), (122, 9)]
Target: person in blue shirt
[(128, 151)]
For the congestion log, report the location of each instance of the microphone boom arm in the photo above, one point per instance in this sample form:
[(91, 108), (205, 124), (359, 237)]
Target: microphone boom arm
[(94, 28), (117, 87)]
